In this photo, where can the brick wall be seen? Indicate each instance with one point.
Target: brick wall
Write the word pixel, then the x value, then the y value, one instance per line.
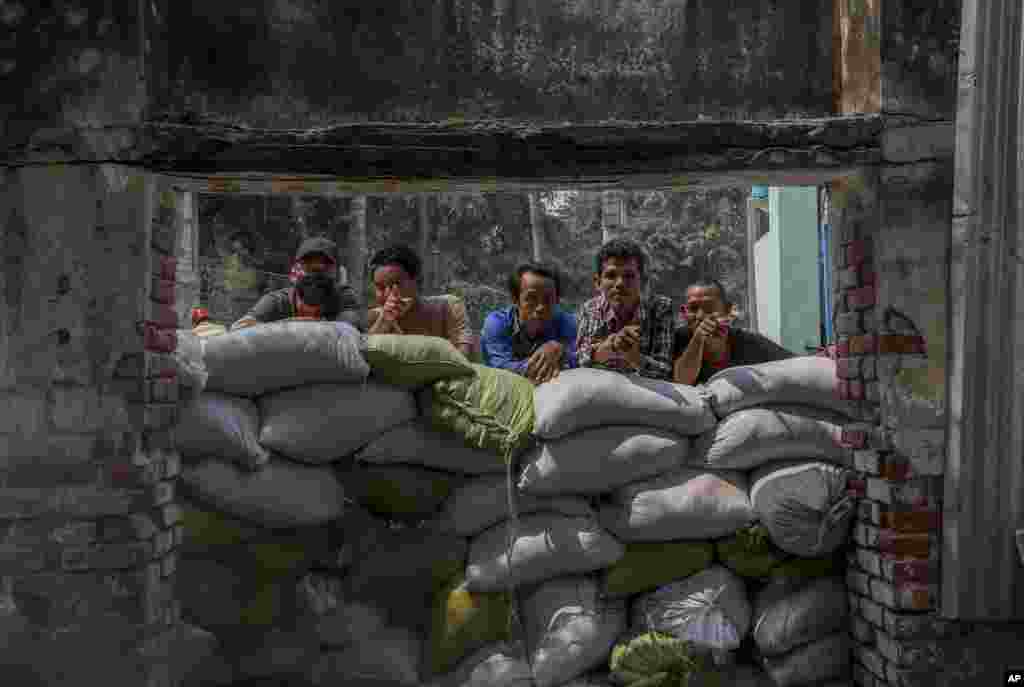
pixel 87 520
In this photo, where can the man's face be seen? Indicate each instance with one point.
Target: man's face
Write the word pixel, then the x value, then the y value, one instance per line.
pixel 391 280
pixel 316 262
pixel 702 302
pixel 620 281
pixel 537 300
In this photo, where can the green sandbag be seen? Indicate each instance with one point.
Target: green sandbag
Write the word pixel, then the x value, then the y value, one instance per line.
pixel 649 565
pixel 492 409
pixel 750 552
pixel 464 621
pixel 413 361
pixel 808 568
pixel 405 493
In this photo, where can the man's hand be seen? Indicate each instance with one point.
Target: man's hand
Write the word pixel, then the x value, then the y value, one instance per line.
pixel 545 363
pixel 707 329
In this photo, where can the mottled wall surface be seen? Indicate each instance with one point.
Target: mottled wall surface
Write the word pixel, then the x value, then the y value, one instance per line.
pixel 297 63
pixel 919 57
pixel 69 63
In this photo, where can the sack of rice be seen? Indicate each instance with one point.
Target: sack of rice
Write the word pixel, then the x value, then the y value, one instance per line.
pixel 491 409
pixel 405 493
pixel 483 502
pixel 787 616
pixel 709 609
pixel 502 664
pixel 569 628
pixel 321 423
pixel 805 506
pixel 412 362
pixel 587 397
pixel 282 494
pixel 417 443
pixel 464 621
pixel 279 355
pixel 750 552
pixel 600 459
pixel 545 546
pixel 812 664
pixel 190 369
pixel 387 657
pixel 221 426
pixel 688 503
pixel 751 437
pixel 649 565
pixel 804 381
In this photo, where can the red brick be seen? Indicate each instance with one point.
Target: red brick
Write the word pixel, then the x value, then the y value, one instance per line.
pixel 917 626
pixel 911 520
pixel 856 487
pixel 861 298
pixel 163 315
pixel 900 343
pixel 917 544
pixel 856 390
pixel 857 252
pixel 847 368
pixel 895 468
pixel 843 389
pixel 166 267
pixel 909 596
pixel 844 346
pixel 162 291
pixel 160 340
pixel 905 571
pixel 867 274
pixel 854 438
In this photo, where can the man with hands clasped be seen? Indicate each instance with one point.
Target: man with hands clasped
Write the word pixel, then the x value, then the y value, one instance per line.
pixel 534 337
pixel 706 342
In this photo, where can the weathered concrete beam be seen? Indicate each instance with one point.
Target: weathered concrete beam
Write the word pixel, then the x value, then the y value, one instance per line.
pixel 479 150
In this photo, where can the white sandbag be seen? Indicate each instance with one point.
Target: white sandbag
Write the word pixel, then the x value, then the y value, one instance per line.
pixel 483 502
pixel 812 664
pixel 282 494
pixel 804 506
pixel 546 546
pixel 189 367
pixel 496 665
pixel 221 426
pixel 688 503
pixel 417 443
pixel 787 616
pixel 751 437
pixel 601 459
pixel 569 628
pixel 278 355
pixel 588 397
pixel 320 423
pixel 709 609
pixel 386 657
pixel 805 381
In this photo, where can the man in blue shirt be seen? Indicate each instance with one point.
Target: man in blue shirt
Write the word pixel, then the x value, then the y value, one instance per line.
pixel 533 337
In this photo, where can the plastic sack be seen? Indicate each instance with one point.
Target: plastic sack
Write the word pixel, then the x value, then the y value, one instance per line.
pixel 222 426
pixel 278 355
pixel 787 616
pixel 687 503
pixel 587 397
pixel 191 371
pixel 600 459
pixel 569 628
pixel 749 438
pixel 709 609
pixel 501 664
pixel 416 442
pixel 805 381
pixel 546 546
pixel 812 664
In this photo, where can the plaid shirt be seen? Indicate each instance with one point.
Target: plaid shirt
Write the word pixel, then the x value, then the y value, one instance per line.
pixel 597 321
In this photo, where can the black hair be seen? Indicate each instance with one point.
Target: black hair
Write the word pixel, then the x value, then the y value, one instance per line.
pixel 398 254
pixel 624 249
pixel 708 283
pixel 515 280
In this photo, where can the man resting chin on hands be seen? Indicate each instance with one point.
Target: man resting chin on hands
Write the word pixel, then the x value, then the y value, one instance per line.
pixel 533 337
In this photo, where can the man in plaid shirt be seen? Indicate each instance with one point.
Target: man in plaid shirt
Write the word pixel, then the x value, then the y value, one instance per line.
pixel 619 329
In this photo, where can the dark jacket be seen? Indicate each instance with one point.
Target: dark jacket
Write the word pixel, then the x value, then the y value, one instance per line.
pixel 745 348
pixel 277 305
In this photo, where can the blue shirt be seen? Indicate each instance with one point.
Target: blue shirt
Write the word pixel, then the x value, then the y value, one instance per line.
pixel 506 345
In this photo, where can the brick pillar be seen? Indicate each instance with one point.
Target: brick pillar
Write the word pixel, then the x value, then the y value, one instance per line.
pixel 86 464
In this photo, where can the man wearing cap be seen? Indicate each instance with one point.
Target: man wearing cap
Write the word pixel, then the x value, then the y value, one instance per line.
pixel 315 292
